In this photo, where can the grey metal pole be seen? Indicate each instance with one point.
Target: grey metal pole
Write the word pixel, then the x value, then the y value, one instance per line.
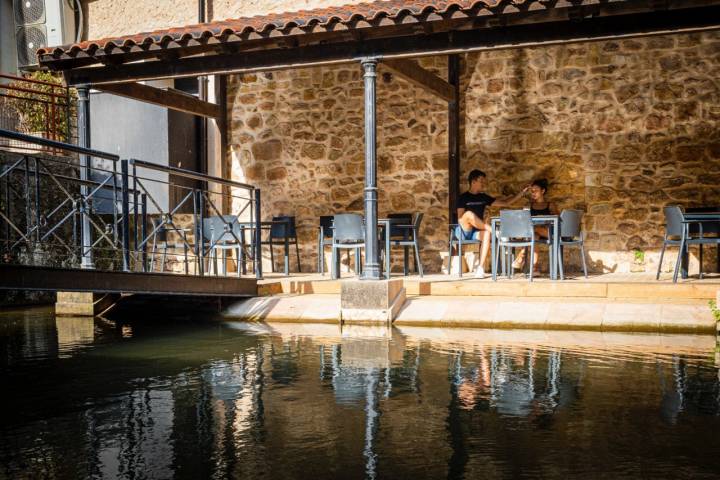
pixel 83 121
pixel 371 269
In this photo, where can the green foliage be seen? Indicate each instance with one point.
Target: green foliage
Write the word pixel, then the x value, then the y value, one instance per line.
pixel 35 108
pixel 639 256
pixel 715 310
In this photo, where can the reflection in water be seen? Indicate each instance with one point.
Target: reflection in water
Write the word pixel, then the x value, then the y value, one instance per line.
pixel 236 400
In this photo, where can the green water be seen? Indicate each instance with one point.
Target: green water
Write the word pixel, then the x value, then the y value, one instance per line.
pixel 154 398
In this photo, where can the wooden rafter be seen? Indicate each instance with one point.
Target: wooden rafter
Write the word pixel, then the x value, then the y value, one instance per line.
pixel 417 75
pixel 170 98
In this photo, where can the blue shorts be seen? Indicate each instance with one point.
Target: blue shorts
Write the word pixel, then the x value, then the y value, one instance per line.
pixel 473 234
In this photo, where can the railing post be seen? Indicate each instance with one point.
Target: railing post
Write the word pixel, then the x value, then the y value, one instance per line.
pixel 125 214
pixel 143 231
pixel 258 236
pixel 199 239
pixel 83 120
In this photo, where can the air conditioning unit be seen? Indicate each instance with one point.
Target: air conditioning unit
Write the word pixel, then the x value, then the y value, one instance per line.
pixel 41 23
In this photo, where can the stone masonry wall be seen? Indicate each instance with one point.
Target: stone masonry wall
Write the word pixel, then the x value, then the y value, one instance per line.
pixel 620 129
pixel 299 136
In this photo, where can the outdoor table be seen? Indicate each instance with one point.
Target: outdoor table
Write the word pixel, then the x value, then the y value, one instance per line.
pixel 709 217
pixel 553 220
pixel 267 225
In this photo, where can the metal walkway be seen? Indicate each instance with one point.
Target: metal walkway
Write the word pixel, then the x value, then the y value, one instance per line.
pixel 92 222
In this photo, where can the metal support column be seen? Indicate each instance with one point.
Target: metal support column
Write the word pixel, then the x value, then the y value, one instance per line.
pixel 371 268
pixel 258 236
pixel 453 137
pixel 83 126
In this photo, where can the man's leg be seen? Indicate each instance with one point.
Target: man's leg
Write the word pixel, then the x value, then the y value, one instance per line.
pixel 470 221
pixel 485 245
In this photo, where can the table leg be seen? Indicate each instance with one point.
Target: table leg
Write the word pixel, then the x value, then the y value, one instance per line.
pixel 556 248
pixel 684 263
pixel 387 251
pixel 493 263
pixel 287 256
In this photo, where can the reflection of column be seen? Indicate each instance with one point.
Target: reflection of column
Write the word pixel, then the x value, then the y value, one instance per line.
pixel 322 362
pixel 552 377
pixel 371 422
pixel 460 457
pixel 415 371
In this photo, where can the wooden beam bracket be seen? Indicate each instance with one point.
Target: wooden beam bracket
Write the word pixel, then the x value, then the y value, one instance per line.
pixel 417 75
pixel 170 98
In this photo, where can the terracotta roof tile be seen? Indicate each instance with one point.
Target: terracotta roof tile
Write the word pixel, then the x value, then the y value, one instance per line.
pixel 308 21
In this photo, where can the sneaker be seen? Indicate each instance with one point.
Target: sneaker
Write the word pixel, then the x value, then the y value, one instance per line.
pixel 480 272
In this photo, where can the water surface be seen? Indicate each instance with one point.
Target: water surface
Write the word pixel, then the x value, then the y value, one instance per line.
pixel 154 398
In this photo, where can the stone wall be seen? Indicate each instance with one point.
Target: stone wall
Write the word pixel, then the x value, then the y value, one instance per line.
pixel 108 18
pixel 299 136
pixel 619 128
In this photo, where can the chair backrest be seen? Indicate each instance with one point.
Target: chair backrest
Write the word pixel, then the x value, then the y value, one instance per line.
pixel 160 230
pixel 282 231
pixel 400 219
pixel 516 224
pixel 326 222
pixel 418 221
pixel 213 229
pixel 348 228
pixel 673 221
pixel 570 223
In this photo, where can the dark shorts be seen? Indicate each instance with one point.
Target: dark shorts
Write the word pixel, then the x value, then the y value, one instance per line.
pixel 472 234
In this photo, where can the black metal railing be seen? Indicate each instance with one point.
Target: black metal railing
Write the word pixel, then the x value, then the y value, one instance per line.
pixel 99 211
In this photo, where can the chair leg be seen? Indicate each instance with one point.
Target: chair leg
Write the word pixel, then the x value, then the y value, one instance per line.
pixel 701 261
pixel 460 258
pixel 334 268
pixel 561 260
pixel 418 262
pixel 185 255
pixel 662 254
pixel 164 257
pixel 450 243
pixel 406 260
pixel 357 262
pixel 679 259
pixel 237 266
pixel 297 255
pixel 152 255
pixel 532 255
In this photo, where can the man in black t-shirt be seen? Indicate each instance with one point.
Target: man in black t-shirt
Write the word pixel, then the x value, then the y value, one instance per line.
pixel 471 214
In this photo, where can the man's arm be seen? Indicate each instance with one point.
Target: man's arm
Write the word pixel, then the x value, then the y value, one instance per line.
pixel 510 201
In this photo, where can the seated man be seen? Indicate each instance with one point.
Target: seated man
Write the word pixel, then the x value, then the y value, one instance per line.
pixel 471 214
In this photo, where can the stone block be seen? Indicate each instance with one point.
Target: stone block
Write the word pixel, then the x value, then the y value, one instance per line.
pixel 371 301
pixel 83 304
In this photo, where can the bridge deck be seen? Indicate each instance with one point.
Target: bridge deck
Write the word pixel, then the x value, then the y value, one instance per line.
pixel 16 277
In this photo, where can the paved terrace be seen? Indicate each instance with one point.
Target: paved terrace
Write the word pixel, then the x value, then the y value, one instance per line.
pixel 609 302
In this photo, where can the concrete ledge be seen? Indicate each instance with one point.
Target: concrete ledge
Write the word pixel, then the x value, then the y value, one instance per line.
pixel 484 312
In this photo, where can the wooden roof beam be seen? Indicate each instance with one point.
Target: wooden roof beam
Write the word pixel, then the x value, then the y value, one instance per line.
pixel 417 75
pixel 170 98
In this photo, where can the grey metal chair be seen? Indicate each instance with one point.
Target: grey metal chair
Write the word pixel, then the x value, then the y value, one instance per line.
pixel 455 241
pixel 678 233
pixel 516 230
pixel 404 232
pixel 348 234
pixel 161 242
pixel 282 232
pixel 223 234
pixel 324 239
pixel 571 234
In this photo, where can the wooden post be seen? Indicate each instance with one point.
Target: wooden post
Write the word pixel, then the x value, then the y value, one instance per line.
pixel 453 136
